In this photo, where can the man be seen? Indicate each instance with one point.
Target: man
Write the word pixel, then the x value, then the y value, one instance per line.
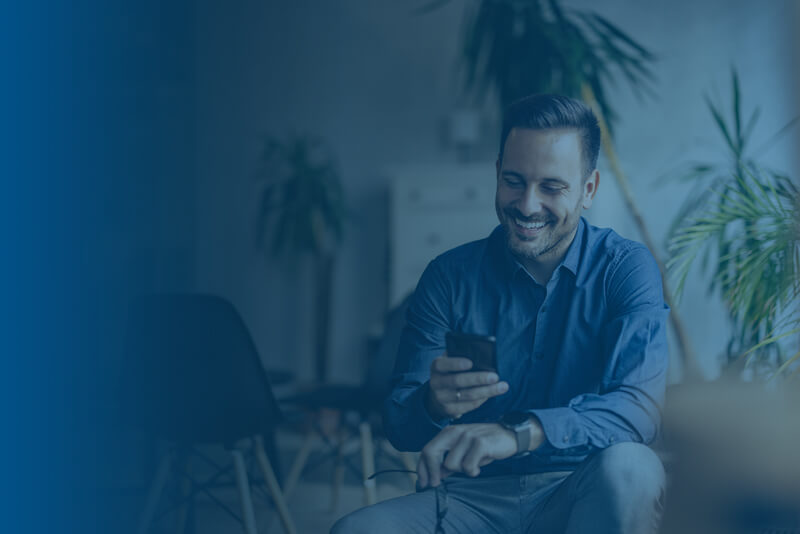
pixel 554 441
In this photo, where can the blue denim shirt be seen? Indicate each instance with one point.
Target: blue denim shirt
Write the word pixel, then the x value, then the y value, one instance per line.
pixel 586 354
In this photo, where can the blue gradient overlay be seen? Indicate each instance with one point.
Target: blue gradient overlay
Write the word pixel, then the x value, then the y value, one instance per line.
pixel 85 138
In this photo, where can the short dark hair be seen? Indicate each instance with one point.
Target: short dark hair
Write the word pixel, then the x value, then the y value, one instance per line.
pixel 548 112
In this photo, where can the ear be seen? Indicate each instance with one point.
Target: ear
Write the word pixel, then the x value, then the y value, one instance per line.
pixel 590 189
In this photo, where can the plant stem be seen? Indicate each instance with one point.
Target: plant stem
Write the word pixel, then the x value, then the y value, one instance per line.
pixel 691 370
pixel 323 280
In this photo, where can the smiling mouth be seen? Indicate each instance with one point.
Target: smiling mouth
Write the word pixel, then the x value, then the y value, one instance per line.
pixel 528 230
pixel 531 226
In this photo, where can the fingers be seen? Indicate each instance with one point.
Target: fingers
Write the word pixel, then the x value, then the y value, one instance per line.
pixel 423 478
pixel 468 455
pixel 454 391
pixel 454 458
pixel 463 380
pixel 445 364
pixel 422 474
pixel 433 463
pixel 474 458
pixel 480 393
pixel 456 402
pixel 433 454
pixel 464 449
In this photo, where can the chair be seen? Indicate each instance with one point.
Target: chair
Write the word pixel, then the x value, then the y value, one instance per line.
pixel 193 377
pixel 365 402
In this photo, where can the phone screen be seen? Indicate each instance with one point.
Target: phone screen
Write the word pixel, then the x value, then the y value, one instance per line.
pixel 479 349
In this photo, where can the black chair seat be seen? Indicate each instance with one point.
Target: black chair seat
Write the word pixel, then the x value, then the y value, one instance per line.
pixel 337 397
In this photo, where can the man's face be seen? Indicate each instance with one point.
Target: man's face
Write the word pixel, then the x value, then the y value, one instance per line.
pixel 540 192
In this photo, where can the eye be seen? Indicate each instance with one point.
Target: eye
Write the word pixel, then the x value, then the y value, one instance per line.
pixel 552 188
pixel 513 182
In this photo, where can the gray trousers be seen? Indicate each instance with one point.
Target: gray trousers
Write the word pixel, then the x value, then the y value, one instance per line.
pixel 616 490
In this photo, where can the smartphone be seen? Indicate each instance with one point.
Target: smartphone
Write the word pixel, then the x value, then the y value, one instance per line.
pixel 479 349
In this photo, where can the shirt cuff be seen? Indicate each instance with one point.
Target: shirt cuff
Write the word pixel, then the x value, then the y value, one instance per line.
pixel 561 430
pixel 418 403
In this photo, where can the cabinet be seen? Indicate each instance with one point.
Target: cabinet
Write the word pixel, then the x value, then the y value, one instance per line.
pixel 433 209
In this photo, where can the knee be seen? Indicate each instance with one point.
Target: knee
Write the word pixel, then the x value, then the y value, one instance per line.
pixel 353 523
pixel 632 470
pixel 364 521
pixel 349 524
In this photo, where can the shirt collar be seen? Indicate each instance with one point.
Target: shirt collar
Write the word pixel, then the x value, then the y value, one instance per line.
pixel 511 265
pixel 572 258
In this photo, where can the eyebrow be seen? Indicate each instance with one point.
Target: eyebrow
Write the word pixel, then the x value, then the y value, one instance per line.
pixel 558 181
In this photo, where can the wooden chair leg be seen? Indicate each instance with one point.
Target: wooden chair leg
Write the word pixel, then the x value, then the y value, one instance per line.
pixel 299 464
pixel 154 494
pixel 338 471
pixel 243 485
pixel 274 487
pixel 367 463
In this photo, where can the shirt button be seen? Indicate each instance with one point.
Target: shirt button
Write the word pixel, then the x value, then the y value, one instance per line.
pixel 611 439
pixel 566 439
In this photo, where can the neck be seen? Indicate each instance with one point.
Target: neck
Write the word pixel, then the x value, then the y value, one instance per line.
pixel 542 267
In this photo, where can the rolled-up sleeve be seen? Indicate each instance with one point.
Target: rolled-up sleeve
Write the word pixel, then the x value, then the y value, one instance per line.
pixel 634 347
pixel 407 423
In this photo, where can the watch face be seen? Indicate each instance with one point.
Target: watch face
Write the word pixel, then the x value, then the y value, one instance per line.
pixel 515 418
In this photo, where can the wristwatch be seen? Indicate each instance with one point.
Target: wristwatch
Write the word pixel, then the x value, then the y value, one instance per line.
pixel 520 424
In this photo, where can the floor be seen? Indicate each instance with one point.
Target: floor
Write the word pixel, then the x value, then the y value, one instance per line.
pixel 311 504
pixel 310 508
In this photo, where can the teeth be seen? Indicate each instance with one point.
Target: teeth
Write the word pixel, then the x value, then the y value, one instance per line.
pixel 530 226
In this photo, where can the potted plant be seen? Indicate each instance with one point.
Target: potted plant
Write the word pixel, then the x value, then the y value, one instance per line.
pixel 745 217
pixel 302 214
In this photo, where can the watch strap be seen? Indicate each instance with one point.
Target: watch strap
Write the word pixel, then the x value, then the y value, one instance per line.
pixel 522 432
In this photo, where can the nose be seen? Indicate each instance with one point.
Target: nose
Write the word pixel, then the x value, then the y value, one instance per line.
pixel 530 203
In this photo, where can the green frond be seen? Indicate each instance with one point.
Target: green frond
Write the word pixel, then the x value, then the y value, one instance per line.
pixel 788 363
pixel 752 220
pixel 737 115
pixel 520 48
pixel 302 207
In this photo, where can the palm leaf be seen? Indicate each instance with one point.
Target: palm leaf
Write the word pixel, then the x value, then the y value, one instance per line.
pixel 720 121
pixel 748 129
pixel 776 136
pixel 519 48
pixel 737 116
pixel 643 52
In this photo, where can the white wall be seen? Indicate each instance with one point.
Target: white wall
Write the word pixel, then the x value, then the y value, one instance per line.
pixel 376 81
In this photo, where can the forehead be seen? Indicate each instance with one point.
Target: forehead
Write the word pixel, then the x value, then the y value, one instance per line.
pixel 542 149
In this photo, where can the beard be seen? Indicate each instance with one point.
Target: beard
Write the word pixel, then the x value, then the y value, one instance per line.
pixel 550 239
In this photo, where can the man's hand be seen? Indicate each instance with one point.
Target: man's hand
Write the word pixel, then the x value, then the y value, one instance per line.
pixel 453 390
pixel 464 449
